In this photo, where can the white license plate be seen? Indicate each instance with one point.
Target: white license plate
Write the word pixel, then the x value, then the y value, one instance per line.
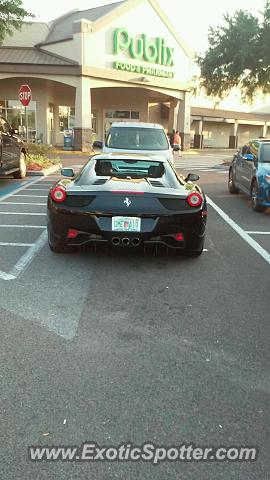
pixel 126 224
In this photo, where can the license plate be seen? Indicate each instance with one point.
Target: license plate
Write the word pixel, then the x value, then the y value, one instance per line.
pixel 126 224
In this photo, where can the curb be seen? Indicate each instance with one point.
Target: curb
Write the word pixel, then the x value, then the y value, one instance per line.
pixel 45 172
pixel 74 152
pixel 221 166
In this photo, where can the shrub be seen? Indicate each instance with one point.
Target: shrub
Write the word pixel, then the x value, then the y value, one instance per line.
pixel 39 149
pixel 38 162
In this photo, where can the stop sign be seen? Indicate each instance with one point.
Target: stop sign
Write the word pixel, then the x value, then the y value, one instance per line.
pixel 25 95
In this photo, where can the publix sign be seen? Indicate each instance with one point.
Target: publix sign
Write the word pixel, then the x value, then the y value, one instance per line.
pixel 154 51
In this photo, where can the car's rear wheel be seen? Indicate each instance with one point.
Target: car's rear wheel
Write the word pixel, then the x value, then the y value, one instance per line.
pixel 21 173
pixel 231 185
pixel 193 253
pixel 254 197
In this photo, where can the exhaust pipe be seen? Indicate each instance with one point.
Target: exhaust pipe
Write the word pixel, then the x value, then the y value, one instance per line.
pixel 125 241
pixel 135 242
pixel 116 241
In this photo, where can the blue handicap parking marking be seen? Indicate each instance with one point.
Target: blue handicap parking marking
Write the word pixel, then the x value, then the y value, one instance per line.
pixel 8 185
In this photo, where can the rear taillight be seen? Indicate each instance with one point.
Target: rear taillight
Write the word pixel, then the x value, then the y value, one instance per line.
pixel 58 194
pixel 194 199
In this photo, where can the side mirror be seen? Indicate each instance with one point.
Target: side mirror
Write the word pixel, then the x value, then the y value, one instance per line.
pixel 98 144
pixel 192 177
pixel 249 156
pixel 67 172
pixel 176 148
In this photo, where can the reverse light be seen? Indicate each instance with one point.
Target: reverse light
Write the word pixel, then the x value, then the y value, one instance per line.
pixel 194 199
pixel 58 194
pixel 179 237
pixel 267 178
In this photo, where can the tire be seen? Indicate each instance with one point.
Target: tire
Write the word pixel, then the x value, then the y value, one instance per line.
pixel 22 167
pixel 190 252
pixel 254 198
pixel 193 254
pixel 231 185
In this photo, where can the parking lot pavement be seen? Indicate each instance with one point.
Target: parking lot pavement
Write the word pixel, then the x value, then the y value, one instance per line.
pixel 115 348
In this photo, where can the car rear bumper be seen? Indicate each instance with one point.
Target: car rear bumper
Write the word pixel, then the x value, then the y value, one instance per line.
pixel 92 229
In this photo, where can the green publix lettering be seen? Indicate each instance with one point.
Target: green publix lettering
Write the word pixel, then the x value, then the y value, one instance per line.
pixel 152 51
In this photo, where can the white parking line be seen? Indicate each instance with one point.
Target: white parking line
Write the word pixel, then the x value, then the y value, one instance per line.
pixel 31 196
pixel 251 242
pixel 23 226
pixel 26 259
pixel 7 244
pixel 21 213
pixel 24 203
pixel 37 189
pixel 257 233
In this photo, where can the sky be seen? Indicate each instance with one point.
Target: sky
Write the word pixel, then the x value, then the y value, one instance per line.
pixel 190 19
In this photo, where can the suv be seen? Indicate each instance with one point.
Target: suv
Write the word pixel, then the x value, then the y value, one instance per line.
pixel 12 151
pixel 250 173
pixel 138 137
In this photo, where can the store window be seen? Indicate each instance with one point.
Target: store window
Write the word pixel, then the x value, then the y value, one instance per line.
pixel 19 117
pixel 67 118
pixel 122 114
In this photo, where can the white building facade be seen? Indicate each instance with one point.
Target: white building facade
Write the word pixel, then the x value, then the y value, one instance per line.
pixel 122 61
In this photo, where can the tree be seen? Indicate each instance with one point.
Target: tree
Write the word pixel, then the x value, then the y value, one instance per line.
pixel 12 15
pixel 238 56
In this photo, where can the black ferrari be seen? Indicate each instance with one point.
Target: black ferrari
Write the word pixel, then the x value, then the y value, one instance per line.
pixel 127 201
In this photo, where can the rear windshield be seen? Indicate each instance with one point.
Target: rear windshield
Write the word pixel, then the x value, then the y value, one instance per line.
pixel 131 138
pixel 265 152
pixel 129 168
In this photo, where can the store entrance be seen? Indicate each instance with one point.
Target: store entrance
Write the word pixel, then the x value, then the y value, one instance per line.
pixel 111 116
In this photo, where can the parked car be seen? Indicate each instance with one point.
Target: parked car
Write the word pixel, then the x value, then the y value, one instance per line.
pixel 127 201
pixel 139 137
pixel 12 151
pixel 250 173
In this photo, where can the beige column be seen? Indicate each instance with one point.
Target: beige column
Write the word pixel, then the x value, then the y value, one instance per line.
pixel 83 126
pixel 173 115
pixel 198 137
pixel 42 113
pixel 233 139
pixel 265 128
pixel 58 138
pixel 183 121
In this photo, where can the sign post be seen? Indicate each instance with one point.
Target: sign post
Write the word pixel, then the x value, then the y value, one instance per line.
pixel 25 97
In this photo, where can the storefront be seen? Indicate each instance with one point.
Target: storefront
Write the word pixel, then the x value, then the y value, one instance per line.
pixel 225 128
pixel 89 68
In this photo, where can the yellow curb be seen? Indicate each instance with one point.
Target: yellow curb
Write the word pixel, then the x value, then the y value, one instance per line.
pixel 190 152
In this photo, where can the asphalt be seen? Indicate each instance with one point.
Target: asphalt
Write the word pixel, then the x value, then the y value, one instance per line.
pixel 118 348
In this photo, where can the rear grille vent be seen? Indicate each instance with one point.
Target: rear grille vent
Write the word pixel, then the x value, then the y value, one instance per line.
pixel 79 200
pixel 175 203
pixel 156 183
pixel 100 181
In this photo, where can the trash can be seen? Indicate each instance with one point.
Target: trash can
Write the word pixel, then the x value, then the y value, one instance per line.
pixel 68 139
